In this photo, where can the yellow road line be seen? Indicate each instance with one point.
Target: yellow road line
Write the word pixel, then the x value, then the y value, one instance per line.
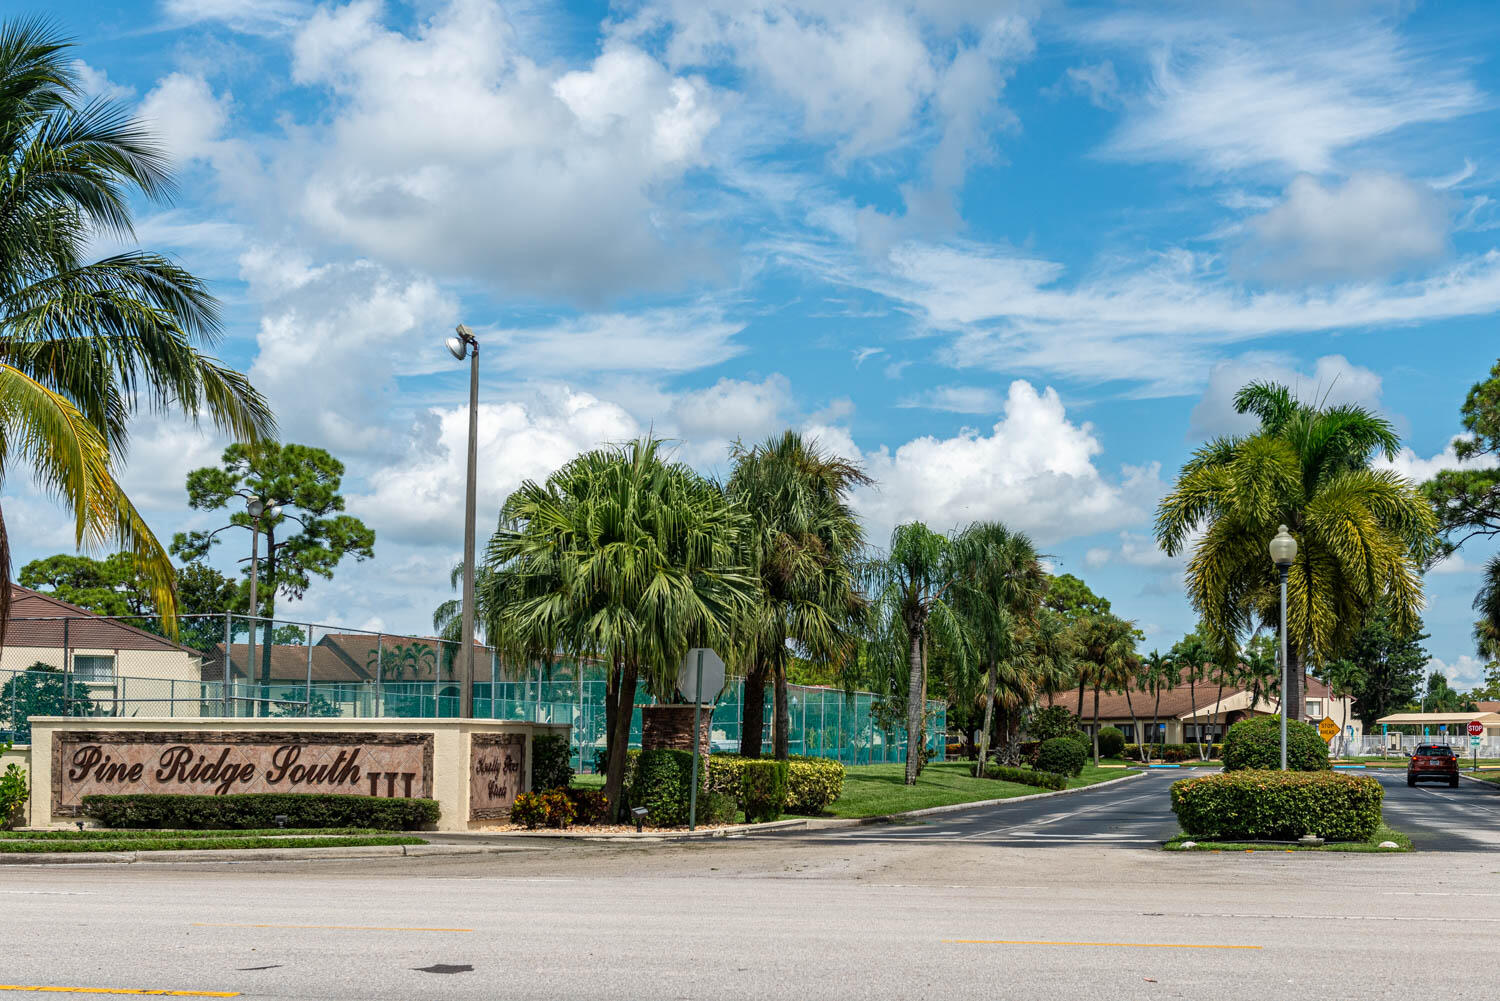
pixel 121 990
pixel 1119 945
pixel 216 924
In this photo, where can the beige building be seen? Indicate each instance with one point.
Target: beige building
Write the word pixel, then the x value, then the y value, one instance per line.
pixel 121 670
pixel 1203 713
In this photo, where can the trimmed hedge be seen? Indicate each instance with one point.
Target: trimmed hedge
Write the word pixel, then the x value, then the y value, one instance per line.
pixel 254 810
pixel 1111 742
pixel 1173 753
pixel 1062 755
pixel 1025 776
pixel 551 763
pixel 763 788
pixel 1256 744
pixel 661 781
pixel 1279 806
pixel 812 783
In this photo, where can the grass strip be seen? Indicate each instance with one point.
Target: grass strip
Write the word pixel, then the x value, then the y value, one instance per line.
pixel 1382 833
pixel 879 790
pixel 159 833
pixel 206 844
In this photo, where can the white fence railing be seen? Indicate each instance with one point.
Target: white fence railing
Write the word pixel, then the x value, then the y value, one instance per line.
pixel 1404 743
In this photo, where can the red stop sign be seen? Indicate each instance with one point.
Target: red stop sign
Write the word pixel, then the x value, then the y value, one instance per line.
pixel 1476 728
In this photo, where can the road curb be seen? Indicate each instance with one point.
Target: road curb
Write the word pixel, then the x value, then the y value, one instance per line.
pixel 828 825
pixel 250 855
pixel 644 837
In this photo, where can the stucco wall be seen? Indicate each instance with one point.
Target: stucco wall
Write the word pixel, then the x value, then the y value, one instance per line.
pixel 450 758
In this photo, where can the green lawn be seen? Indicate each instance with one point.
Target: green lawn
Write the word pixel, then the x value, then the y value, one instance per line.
pixel 1383 833
pixel 878 790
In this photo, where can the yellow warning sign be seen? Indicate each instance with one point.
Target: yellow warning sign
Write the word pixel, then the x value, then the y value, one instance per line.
pixel 1328 729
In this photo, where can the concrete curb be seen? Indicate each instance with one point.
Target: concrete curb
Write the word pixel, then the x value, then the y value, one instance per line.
pixel 834 824
pixel 736 830
pixel 1475 778
pixel 251 854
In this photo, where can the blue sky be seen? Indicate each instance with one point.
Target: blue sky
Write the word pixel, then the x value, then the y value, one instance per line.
pixel 1014 257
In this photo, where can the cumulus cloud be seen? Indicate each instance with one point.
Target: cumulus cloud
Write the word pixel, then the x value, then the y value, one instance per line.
pixel 1034 470
pixel 733 408
pixel 1334 381
pixel 419 499
pixel 1463 672
pixel 1417 469
pixel 448 147
pixel 1370 227
pixel 1096 81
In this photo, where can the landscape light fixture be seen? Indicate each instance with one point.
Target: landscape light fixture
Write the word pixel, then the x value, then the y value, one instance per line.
pixel 280 820
pixel 79 823
pixel 460 346
pixel 639 813
pixel 1284 554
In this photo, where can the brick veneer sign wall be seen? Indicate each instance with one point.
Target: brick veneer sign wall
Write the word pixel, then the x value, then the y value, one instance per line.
pixel 201 762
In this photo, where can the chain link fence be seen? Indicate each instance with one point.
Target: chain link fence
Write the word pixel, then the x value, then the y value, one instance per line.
pixel 231 665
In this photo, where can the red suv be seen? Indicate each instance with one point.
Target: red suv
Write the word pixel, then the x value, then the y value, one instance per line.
pixel 1432 761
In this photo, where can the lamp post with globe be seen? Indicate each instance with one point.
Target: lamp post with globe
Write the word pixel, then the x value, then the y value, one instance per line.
pixel 1284 554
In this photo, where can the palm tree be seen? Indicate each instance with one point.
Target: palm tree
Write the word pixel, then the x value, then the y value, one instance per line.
pixel 1362 533
pixel 83 343
pixel 1152 676
pixel 622 555
pixel 1043 657
pixel 804 542
pixel 1106 657
pixel 910 587
pixel 1001 584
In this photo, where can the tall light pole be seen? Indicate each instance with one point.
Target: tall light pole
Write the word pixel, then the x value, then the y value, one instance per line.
pixel 1284 554
pixel 466 344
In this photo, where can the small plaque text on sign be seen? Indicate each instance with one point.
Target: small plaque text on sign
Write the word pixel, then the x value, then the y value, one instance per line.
pixel 497 771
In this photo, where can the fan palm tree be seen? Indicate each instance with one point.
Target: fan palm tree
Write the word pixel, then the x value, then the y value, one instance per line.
pixel 1001 584
pixel 1363 534
pixel 622 555
pixel 911 586
pixel 804 543
pixel 1043 653
pixel 84 343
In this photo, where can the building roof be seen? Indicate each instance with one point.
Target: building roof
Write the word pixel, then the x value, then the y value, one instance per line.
pixel 1488 719
pixel 41 620
pixel 1183 702
pixel 289 663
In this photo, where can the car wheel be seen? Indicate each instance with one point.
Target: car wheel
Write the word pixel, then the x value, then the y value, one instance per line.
pixel 1410 781
pixel 1453 782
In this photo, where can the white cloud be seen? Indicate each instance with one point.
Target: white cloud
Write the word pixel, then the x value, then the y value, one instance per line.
pixel 734 408
pixel 667 339
pixel 419 498
pixel 958 400
pixel 332 340
pixel 1334 381
pixel 191 122
pixel 1463 673
pixel 449 148
pixel 1034 470
pixel 1417 469
pixel 95 82
pixel 1096 81
pixel 1159 324
pixel 1372 226
pixel 250 16
pixel 1292 103
pixel 1137 550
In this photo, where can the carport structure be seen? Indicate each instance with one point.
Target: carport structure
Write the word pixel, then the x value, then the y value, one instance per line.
pixel 1438 728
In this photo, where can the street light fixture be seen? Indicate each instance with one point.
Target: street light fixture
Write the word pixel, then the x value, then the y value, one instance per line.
pixel 1284 554
pixel 463 344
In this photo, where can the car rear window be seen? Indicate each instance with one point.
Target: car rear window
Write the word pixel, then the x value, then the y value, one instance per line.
pixel 1435 751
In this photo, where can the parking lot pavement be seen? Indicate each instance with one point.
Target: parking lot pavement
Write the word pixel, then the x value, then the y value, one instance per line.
pixel 1465 819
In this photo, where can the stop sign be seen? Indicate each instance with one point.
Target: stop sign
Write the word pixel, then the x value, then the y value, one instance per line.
pixel 1476 728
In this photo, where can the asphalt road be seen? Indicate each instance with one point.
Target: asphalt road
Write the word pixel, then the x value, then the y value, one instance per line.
pixel 1137 813
pixel 915 912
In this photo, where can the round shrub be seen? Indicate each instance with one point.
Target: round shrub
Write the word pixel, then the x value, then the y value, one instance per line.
pixel 560 809
pixel 1111 742
pixel 1053 721
pixel 1062 756
pixel 1256 743
pixel 551 766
